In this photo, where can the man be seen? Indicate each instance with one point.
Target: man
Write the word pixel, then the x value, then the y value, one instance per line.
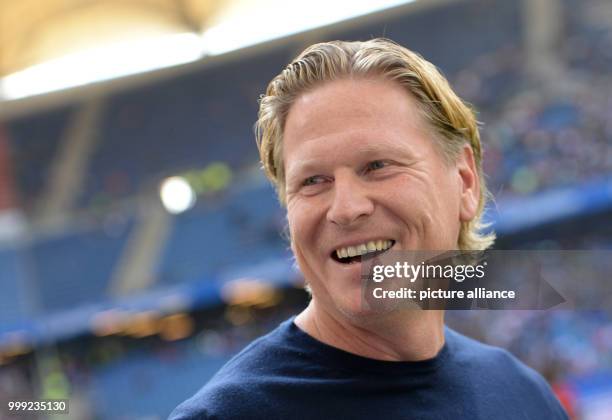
pixel 370 150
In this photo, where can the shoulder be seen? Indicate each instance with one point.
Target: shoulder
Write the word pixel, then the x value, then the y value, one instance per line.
pixel 489 359
pixel 219 400
pixel 469 351
pixel 236 390
pixel 497 374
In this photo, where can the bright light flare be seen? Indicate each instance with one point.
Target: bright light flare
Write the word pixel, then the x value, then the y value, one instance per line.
pixel 177 195
pixel 279 18
pixel 103 63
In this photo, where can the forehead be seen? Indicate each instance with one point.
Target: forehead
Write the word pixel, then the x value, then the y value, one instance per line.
pixel 357 114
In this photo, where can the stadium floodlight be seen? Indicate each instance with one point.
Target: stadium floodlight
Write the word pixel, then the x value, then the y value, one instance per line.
pixel 177 195
pixel 272 19
pixel 103 63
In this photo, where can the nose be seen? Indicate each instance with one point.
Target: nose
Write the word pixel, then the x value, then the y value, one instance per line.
pixel 351 200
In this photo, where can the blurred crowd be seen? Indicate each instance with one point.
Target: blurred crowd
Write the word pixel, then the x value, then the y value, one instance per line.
pixel 539 135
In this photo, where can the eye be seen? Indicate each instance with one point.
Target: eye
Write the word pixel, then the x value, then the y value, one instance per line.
pixel 375 165
pixel 312 180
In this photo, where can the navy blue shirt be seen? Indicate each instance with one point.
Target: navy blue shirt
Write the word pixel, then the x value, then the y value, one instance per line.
pixel 288 374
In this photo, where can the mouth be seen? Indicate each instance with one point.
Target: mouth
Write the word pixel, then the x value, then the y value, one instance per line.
pixel 352 254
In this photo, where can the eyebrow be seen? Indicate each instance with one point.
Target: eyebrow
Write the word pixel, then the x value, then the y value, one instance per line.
pixel 389 145
pixel 372 150
pixel 301 168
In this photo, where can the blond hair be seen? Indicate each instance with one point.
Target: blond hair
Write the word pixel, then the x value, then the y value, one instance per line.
pixel 453 121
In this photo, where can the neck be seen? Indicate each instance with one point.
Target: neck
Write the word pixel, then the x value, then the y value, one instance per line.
pixel 402 336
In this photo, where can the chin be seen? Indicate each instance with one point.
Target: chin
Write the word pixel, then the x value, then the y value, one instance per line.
pixel 354 308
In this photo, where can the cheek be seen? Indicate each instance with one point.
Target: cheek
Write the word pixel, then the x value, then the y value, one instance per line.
pixel 294 231
pixel 303 230
pixel 430 204
pixel 302 225
pixel 447 204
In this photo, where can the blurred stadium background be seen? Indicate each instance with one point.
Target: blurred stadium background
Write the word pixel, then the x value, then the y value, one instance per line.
pixel 141 246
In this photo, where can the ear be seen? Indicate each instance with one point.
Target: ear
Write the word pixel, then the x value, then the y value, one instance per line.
pixel 470 184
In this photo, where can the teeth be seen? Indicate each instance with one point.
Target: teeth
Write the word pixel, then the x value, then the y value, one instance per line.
pixel 361 249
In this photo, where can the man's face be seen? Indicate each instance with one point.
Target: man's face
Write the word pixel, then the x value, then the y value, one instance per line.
pixel 362 169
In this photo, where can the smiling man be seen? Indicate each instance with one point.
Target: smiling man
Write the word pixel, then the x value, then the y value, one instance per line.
pixel 370 150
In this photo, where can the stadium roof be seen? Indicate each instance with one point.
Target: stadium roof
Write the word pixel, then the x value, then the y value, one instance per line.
pixel 54 44
pixel 34 31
